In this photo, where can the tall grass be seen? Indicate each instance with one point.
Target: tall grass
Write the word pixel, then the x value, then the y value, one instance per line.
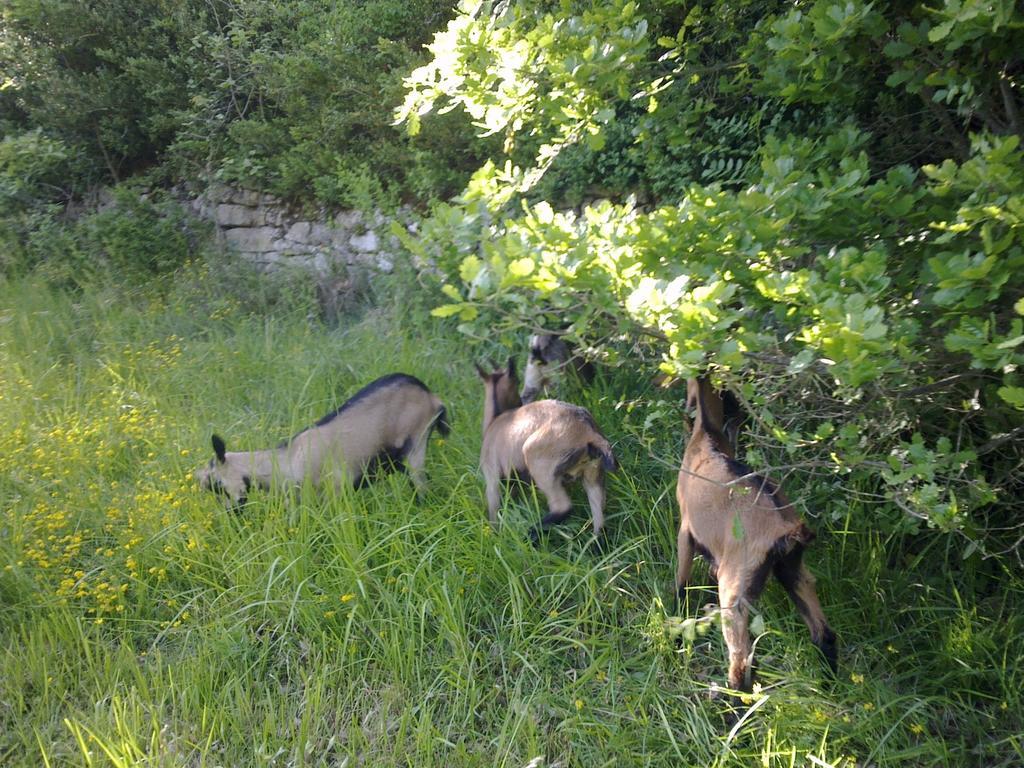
pixel 142 624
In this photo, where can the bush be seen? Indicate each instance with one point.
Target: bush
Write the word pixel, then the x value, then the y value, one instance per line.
pixel 858 281
pixel 293 98
pixel 132 237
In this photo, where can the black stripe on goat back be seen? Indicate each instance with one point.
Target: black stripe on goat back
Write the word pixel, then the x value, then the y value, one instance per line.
pixel 374 386
pixel 377 385
pixel 759 483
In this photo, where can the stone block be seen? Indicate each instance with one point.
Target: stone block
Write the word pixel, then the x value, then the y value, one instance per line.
pixel 230 215
pixel 320 234
pixel 299 232
pixel 348 220
pixel 366 243
pixel 291 247
pixel 252 239
pixel 274 215
pixel 314 262
pixel 246 197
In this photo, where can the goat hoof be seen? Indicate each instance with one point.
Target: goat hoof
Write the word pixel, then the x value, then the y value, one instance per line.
pixel 731 717
pixel 730 704
pixel 535 538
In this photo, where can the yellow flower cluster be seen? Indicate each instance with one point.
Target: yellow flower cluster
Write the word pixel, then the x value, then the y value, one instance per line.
pixel 93 497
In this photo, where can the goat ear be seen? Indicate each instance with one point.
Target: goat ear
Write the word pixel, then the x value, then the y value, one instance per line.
pixel 219 449
pixel 692 385
pixel 511 366
pixel 481 372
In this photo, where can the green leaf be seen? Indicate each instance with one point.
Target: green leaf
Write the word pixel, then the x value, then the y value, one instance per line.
pixel 469 269
pixel 897 49
pixel 1013 395
pixel 737 527
pixel 802 360
pixel 757 625
pixel 940 31
pixel 898 77
pixel 521 267
pixel 446 310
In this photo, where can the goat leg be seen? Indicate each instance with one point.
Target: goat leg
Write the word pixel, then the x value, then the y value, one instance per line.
pixel 684 549
pixel 735 619
pixel 800 586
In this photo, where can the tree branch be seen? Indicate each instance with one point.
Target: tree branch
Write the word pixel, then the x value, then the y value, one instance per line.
pixel 1010 103
pixel 996 442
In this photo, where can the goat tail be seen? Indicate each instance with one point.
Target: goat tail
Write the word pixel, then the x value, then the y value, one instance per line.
pixel 604 453
pixel 804 535
pixel 794 541
pixel 444 426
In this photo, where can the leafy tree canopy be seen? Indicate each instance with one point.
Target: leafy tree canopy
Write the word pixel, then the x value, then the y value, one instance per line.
pixel 820 203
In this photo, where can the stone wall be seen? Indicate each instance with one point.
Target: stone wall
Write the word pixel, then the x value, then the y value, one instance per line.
pixel 263 230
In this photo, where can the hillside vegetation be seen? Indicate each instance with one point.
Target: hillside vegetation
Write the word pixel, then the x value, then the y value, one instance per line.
pixel 820 205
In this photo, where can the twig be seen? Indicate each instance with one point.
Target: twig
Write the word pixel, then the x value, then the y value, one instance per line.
pixel 1009 103
pixel 995 442
pixel 940 384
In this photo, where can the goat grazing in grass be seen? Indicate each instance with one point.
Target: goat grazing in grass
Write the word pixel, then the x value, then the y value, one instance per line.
pixel 550 353
pixel 384 423
pixel 546 442
pixel 746 528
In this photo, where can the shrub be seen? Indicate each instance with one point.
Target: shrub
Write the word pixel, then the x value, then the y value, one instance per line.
pixel 859 282
pixel 132 237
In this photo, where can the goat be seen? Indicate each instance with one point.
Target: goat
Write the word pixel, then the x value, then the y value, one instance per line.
pixel 550 353
pixel 746 528
pixel 384 423
pixel 546 442
pixel 734 417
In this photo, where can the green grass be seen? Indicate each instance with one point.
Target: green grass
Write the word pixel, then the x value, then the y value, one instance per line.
pixel 142 624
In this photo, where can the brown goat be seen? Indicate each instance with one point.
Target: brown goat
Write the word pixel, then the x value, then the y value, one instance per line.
pixel 385 423
pixel 746 528
pixel 546 442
